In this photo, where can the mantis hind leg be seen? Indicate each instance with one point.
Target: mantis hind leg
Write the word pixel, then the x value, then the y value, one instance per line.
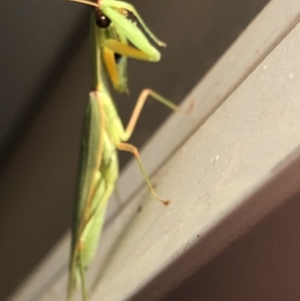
pixel 138 109
pixel 130 128
pixel 132 149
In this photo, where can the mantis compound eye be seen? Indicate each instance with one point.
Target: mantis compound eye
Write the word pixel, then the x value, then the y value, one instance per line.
pixel 102 21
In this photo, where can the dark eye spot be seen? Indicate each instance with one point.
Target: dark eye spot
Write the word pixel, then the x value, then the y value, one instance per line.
pixel 101 20
pixel 130 16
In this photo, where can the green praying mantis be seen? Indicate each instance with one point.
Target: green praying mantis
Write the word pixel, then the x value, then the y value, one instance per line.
pixel 114 37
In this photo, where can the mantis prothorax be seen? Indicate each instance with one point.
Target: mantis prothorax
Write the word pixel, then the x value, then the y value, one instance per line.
pixel 113 38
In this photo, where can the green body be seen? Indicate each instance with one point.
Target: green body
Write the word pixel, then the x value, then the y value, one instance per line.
pixel 103 132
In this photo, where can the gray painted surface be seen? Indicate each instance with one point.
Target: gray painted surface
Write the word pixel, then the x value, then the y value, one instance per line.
pixel 44 90
pixel 241 164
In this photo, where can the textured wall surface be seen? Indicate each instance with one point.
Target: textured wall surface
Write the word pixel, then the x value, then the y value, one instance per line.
pixel 44 85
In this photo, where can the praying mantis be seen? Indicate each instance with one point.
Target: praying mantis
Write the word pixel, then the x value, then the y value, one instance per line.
pixel 114 37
